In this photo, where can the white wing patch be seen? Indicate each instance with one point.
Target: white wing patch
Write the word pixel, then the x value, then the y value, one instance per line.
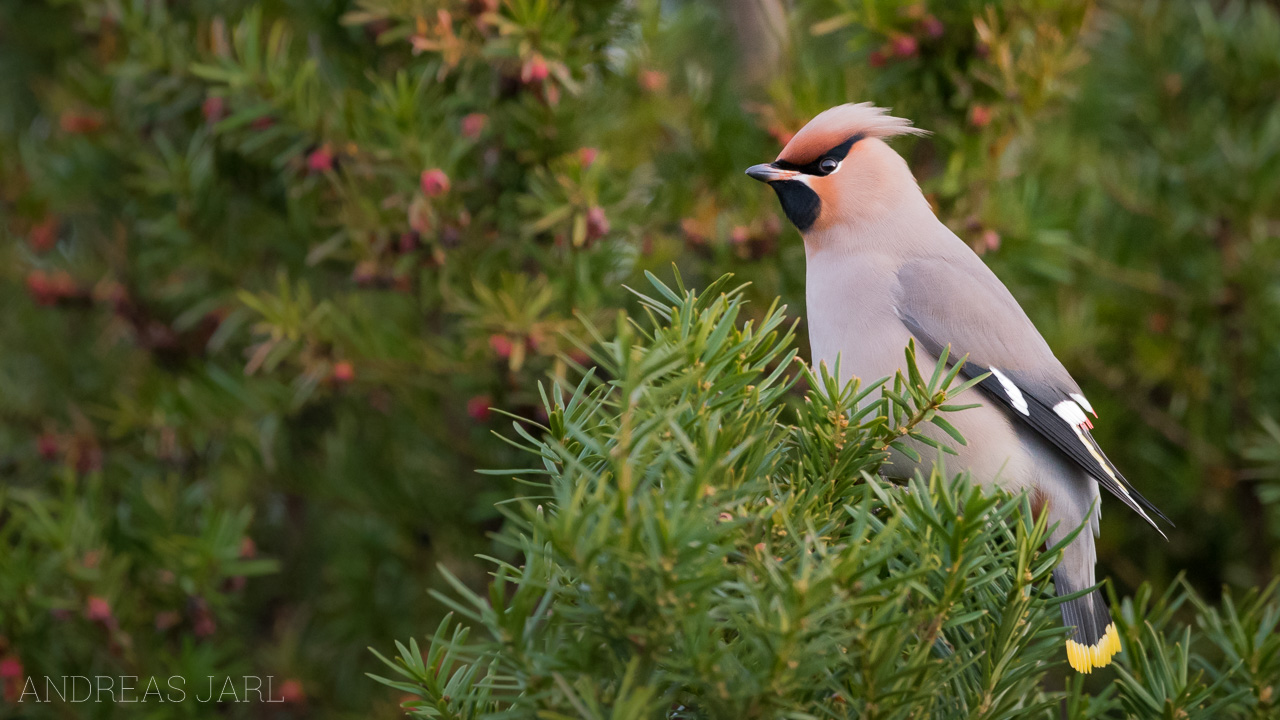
pixel 1015 395
pixel 1084 404
pixel 1068 410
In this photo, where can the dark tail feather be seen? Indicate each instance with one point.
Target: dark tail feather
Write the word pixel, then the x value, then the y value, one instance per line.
pixel 1095 639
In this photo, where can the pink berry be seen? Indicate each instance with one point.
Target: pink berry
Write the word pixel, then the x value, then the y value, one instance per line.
pixel 990 240
pixel 500 345
pixel 434 182
pixel 473 125
pixel 47 444
pixel 932 27
pixel 979 116
pixel 408 242
pixel 79 123
pixel 478 408
pixel 320 159
pixel 653 80
pixel 343 372
pixel 534 70
pixel 291 692
pixel 214 109
pixel 97 609
pixel 38 287
pixel 587 156
pixel 44 236
pixel 205 625
pixel 597 223
pixel 905 46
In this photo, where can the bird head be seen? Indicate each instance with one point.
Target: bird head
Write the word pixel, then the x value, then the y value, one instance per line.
pixel 838 169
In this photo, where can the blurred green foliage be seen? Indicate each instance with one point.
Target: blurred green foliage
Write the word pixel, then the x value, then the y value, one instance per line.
pixel 267 264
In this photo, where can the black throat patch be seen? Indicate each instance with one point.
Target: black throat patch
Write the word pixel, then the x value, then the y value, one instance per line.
pixel 799 202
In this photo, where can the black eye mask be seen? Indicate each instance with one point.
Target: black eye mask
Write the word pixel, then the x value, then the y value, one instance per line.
pixel 800 203
pixel 814 167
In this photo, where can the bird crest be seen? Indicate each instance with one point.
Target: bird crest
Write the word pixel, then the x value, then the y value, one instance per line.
pixel 837 125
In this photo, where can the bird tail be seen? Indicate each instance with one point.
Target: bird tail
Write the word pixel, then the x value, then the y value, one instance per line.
pixel 1095 639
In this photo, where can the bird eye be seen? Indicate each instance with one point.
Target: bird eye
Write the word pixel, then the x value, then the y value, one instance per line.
pixel 828 165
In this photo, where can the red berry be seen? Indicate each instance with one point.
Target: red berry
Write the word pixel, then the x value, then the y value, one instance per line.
pixel 320 159
pixel 473 125
pixel 990 240
pixel 97 609
pixel 343 372
pixel 79 124
pixel 501 345
pixel 905 46
pixel 408 242
pixel 979 116
pixel 653 80
pixel 205 625
pixel 478 407
pixel 597 223
pixel 10 667
pixel 932 27
pixel 214 109
pixel 49 288
pixel 878 58
pixel 47 445
pixel 262 123
pixel 38 287
pixel 291 692
pixel 587 156
pixel 44 236
pixel 534 70
pixel 434 182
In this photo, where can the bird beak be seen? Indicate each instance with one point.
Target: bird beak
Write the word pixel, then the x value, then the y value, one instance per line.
pixel 768 172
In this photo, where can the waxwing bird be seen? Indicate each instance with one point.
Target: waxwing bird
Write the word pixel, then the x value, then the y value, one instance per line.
pixel 883 270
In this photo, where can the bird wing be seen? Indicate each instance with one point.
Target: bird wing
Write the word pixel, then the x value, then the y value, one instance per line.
pixel 963 305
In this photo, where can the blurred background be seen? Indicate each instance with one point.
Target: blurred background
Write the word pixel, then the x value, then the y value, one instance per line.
pixel 267 265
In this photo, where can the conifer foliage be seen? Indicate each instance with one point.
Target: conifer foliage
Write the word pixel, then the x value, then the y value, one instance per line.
pixel 692 545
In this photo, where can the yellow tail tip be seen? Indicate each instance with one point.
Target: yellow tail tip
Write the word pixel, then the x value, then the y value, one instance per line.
pixel 1084 658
